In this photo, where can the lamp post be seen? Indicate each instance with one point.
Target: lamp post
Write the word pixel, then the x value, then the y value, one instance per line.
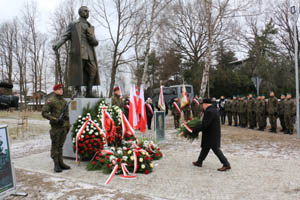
pixel 295 18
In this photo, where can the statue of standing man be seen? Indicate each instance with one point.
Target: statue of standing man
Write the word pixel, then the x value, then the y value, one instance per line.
pixel 83 67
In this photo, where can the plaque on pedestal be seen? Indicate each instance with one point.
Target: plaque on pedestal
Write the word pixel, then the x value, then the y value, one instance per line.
pixel 159 125
pixel 75 109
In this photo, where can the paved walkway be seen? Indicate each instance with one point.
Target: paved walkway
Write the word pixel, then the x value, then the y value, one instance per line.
pixel 174 177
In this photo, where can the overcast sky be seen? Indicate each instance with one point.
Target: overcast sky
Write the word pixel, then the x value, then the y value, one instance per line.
pixel 12 8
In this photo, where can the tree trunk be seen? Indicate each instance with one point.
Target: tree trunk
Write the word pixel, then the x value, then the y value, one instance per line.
pixel 205 76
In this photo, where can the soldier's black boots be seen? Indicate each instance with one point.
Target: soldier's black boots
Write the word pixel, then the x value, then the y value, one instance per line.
pixel 57 168
pixel 64 166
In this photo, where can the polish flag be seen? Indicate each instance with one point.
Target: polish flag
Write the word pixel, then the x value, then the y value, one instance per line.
pixel 132 108
pixel 142 111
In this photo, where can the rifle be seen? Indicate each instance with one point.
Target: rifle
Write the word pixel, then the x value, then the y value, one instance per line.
pixel 63 113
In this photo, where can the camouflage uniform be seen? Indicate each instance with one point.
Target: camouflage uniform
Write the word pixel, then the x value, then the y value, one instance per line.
pixel 186 111
pixel 243 107
pixel 261 114
pixel 234 108
pixel 272 111
pixel 59 130
pixel 289 113
pixel 281 113
pixel 176 115
pixel 251 112
pixel 240 108
pixel 196 108
pixel 228 111
pixel 116 100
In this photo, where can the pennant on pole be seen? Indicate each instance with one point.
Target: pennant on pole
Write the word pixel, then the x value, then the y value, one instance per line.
pixel 142 111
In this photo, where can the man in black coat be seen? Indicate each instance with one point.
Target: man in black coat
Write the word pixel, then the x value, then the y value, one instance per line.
pixel 211 135
pixel 149 111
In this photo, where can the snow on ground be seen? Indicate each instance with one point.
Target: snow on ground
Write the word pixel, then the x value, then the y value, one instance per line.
pixel 264 166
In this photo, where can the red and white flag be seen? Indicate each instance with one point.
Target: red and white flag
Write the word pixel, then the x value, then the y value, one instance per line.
pixel 161 101
pixel 133 120
pixel 142 111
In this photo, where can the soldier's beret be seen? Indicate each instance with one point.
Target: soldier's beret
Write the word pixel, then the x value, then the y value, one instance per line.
pixel 116 88
pixel 207 100
pixel 57 86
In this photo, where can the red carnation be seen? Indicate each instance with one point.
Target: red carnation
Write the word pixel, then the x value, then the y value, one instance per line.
pixel 158 149
pixel 146 171
pixel 87 136
pixel 161 155
pixel 100 154
pixel 97 158
pixel 146 158
pixel 119 160
pixel 93 136
pixel 128 148
pixel 81 152
pixel 108 165
pixel 90 145
pixel 137 154
pixel 156 154
pixel 151 158
pixel 81 139
pixel 91 149
pixel 95 149
pixel 87 141
pixel 86 148
pixel 98 140
pixel 106 156
pixel 95 144
pixel 102 160
pixel 91 140
pixel 94 163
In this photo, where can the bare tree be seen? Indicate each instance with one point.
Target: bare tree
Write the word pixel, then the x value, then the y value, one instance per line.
pixel 119 34
pixel 64 14
pixel 36 42
pixel 20 55
pixel 7 34
pixel 151 23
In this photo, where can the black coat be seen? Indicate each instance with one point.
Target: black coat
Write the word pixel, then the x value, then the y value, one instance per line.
pixel 148 112
pixel 211 128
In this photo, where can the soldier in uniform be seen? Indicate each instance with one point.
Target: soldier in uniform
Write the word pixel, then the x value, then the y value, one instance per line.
pixel 228 111
pixel 244 120
pixel 251 111
pixel 116 100
pixel 126 108
pixel 176 112
pixel 261 113
pixel 281 112
pixel 222 109
pixel 240 108
pixel 186 112
pixel 234 108
pixel 272 111
pixel 263 98
pixel 196 107
pixel 59 128
pixel 289 113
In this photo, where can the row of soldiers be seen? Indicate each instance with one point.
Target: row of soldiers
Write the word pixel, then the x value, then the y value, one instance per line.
pixel 252 112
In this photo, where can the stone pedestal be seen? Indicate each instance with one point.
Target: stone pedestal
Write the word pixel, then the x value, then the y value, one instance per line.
pixel 75 109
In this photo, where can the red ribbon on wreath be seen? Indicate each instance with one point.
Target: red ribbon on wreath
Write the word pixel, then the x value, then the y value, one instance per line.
pixel 82 128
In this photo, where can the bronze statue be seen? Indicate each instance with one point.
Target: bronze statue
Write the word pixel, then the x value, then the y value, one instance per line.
pixel 83 67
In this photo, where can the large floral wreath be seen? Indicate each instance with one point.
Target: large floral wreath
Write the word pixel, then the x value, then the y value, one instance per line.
pixel 103 135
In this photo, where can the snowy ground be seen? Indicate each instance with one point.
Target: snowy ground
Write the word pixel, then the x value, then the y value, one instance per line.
pixel 264 166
